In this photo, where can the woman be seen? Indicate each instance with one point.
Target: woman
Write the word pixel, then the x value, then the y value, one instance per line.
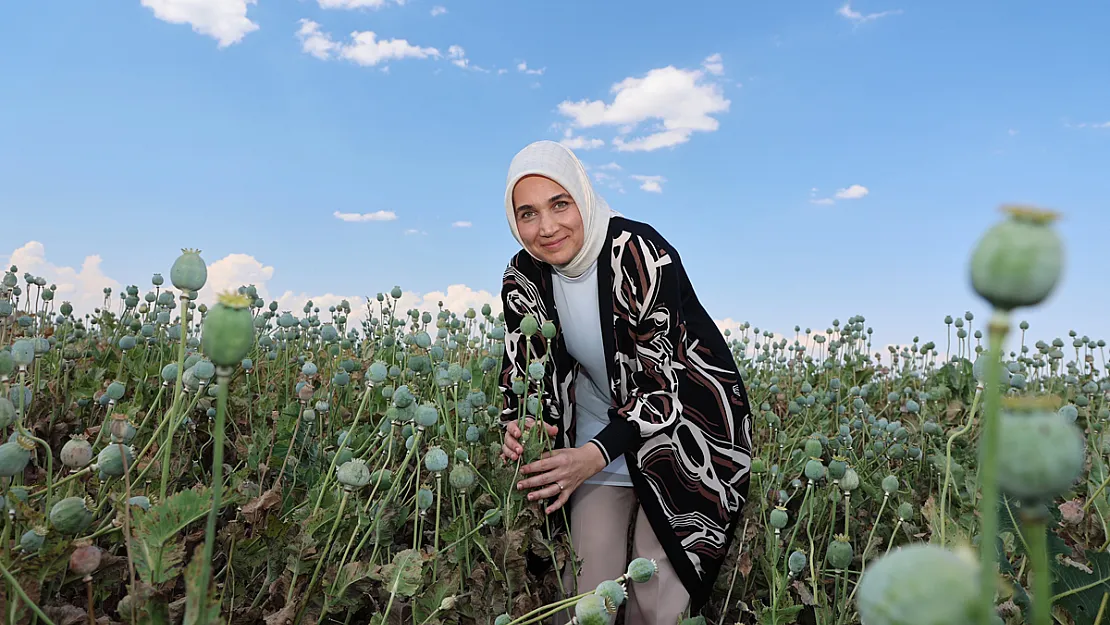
pixel 641 392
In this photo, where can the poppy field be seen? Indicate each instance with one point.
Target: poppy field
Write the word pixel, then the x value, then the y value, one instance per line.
pixel 169 462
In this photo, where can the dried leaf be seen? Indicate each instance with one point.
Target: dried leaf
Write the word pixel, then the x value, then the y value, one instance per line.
pixel 744 563
pixel 803 593
pixel 257 508
pixel 1071 512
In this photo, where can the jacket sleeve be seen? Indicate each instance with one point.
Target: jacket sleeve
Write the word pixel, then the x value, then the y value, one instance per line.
pixel 514 365
pixel 650 297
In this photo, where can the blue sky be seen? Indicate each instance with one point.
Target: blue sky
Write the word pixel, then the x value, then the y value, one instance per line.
pixel 131 129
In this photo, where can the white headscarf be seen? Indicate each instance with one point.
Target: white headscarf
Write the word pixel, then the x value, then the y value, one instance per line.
pixel 554 160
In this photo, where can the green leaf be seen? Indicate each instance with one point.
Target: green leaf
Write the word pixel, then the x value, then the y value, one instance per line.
pixel 403 575
pixel 201 608
pixel 1082 590
pixel 155 534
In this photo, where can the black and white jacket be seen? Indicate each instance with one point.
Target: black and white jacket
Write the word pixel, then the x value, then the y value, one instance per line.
pixel 680 413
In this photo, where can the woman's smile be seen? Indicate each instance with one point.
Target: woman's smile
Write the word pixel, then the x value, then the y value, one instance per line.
pixel 554 245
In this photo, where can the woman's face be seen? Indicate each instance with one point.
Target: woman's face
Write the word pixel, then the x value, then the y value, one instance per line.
pixel 548 220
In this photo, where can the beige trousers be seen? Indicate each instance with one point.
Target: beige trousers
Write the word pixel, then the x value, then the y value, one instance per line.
pixel 599 522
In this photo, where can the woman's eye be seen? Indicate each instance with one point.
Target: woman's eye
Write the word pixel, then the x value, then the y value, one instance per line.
pixel 561 204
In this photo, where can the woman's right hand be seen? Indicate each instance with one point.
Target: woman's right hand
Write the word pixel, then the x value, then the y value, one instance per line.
pixel 511 448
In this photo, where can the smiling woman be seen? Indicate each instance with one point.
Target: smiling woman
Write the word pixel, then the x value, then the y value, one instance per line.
pixel 640 391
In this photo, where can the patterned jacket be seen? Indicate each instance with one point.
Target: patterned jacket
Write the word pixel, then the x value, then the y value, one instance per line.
pixel 680 413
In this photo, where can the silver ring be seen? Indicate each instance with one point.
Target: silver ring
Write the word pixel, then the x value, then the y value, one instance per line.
pixel 560 485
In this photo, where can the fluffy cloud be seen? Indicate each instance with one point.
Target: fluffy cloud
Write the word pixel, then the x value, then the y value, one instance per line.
pixel 523 67
pixel 580 142
pixel 713 65
pixel 856 17
pixel 438 10
pixel 357 4
pixel 461 224
pixel 375 216
pixel 82 287
pixel 1102 125
pixel 681 101
pixel 224 20
pixel 457 56
pixel 651 184
pixel 412 231
pixel 853 192
pixel 364 49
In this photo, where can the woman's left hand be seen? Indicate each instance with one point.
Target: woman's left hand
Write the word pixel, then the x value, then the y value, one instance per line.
pixel 560 472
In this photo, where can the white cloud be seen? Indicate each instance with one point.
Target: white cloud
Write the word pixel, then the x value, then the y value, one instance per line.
pixel 224 20
pixel 856 17
pixel 713 65
pixel 233 271
pixel 364 49
pixel 523 67
pixel 375 216
pixel 613 166
pixel 83 287
pixel 411 231
pixel 853 192
pixel 438 10
pixel 461 224
pixel 580 142
pixel 651 184
pixel 1093 125
pixel 357 4
pixel 457 299
pixel 457 56
pixel 681 100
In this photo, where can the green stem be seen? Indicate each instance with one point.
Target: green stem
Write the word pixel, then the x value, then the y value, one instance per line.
pixel 988 466
pixel 223 376
pixel 1036 533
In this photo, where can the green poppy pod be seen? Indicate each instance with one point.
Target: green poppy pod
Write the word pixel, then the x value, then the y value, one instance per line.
pixel 641 570
pixel 890 484
pixel 204 370
pixel 797 562
pixel 7 412
pixel 70 515
pixel 395 292
pixel 353 474
pixel 115 390
pixel 814 470
pixel 140 501
pixel 435 460
pixel 461 477
pixel 23 352
pixel 424 499
pixel 924 584
pixel 427 415
pixel 1040 455
pixel 32 540
pixel 110 459
pixel 1018 262
pixel 472 434
pixel 839 553
pixel 591 610
pixel 7 363
pixel 14 455
pixel 528 325
pixel 189 272
pixel 227 333
pixel 779 518
pixel 378 372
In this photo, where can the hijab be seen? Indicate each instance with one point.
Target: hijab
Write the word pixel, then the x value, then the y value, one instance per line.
pixel 557 162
